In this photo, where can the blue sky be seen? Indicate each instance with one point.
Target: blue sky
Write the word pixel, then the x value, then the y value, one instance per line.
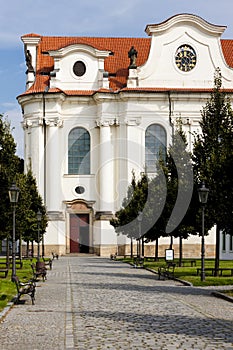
pixel 83 18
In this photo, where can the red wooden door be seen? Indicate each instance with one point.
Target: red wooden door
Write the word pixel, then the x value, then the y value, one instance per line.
pixel 79 233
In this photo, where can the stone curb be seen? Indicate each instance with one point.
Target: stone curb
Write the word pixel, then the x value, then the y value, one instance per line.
pixel 222 296
pixel 5 311
pixel 189 284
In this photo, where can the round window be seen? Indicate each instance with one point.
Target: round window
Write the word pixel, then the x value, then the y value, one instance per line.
pixel 79 68
pixel 79 189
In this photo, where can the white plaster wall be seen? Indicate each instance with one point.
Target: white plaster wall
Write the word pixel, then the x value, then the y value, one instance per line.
pixel 67 80
pixel 128 141
pixel 226 254
pixel 103 233
pixel 55 233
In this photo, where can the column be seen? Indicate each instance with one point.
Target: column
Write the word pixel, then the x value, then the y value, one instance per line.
pixel 106 167
pixel 53 166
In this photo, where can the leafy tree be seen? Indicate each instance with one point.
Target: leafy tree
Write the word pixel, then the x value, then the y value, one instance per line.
pixel 29 203
pixel 10 164
pixel 182 196
pixel 11 170
pixel 213 157
pixel 174 193
pixel 125 220
pixel 168 202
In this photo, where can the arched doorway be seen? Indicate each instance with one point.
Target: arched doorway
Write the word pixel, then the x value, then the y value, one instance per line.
pixel 79 233
pixel 79 226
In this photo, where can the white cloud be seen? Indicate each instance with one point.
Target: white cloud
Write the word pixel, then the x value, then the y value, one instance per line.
pixel 103 17
pixel 8 105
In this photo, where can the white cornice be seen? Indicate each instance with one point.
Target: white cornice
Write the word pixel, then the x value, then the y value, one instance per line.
pixel 31 40
pixel 185 19
pixel 79 47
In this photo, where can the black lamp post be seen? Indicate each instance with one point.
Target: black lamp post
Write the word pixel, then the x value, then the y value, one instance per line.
pixel 203 197
pixel 14 196
pixel 139 218
pixel 39 217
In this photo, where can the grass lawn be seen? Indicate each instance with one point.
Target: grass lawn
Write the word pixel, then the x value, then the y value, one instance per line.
pixel 8 288
pixel 229 293
pixel 190 273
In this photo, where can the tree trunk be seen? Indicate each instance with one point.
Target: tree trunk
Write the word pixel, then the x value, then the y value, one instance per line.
pixel 131 248
pixel 42 245
pixel 20 247
pixel 180 251
pixel 32 249
pixel 27 252
pixel 217 248
pixel 156 249
pixel 7 253
pixel 171 242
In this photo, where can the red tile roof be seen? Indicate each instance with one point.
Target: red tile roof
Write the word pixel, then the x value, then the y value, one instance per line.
pixel 116 64
pixel 227 48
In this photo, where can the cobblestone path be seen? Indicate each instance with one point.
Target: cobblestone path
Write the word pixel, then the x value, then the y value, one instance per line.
pixel 118 307
pixel 94 303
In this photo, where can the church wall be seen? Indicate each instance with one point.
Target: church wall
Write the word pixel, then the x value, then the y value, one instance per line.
pixel 117 121
pixel 127 142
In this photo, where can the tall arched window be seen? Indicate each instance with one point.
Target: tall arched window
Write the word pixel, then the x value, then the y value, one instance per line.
pixel 155 146
pixel 79 151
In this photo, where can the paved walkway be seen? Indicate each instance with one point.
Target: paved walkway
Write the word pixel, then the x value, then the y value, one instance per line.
pixel 94 303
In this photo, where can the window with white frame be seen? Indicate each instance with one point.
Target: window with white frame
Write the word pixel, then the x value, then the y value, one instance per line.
pixel 79 151
pixel 155 146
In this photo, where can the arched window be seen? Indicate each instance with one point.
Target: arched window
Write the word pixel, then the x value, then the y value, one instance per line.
pixel 79 152
pixel 155 146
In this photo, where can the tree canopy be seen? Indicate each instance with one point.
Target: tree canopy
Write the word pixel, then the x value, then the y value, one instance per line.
pixel 213 156
pixel 166 200
pixel 30 201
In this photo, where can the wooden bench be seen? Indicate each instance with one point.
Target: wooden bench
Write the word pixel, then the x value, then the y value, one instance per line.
pixel 4 268
pixel 25 288
pixel 188 263
pixel 18 263
pixel 220 271
pixel 167 271
pixel 55 256
pixel 209 269
pixel 48 263
pixel 153 258
pixel 138 262
pixel 39 270
pixel 113 256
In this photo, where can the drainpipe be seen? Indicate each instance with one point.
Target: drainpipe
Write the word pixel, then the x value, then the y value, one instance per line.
pixel 172 126
pixel 45 169
pixel 170 112
pixel 44 129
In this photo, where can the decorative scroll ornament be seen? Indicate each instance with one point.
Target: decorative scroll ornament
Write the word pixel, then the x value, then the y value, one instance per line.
pixel 107 122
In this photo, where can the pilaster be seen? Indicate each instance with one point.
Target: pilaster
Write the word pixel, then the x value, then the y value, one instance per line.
pixel 106 164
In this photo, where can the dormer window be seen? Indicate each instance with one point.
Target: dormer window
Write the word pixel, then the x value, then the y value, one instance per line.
pixel 79 68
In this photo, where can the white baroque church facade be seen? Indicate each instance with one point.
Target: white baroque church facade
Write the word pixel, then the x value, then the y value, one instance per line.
pixel 95 109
